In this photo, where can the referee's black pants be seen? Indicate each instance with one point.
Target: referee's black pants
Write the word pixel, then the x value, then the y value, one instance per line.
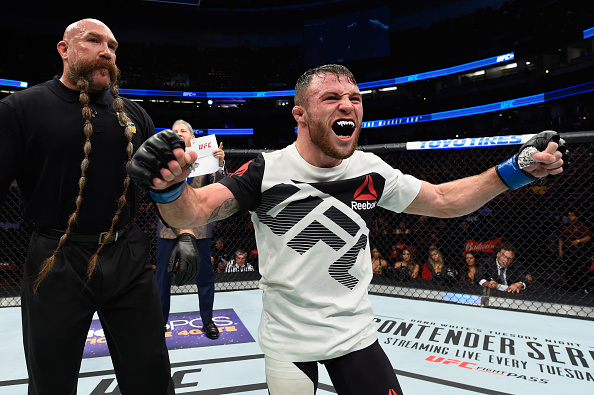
pixel 122 291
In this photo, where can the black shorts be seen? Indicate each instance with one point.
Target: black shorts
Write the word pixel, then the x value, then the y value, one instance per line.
pixel 363 372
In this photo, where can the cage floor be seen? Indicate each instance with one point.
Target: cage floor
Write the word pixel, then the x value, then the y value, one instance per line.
pixel 434 347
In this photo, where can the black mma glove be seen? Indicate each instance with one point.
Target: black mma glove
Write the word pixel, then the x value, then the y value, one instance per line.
pixel 152 156
pixel 511 172
pixel 186 256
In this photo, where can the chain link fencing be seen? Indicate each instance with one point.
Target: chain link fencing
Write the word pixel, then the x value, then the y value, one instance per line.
pixel 532 219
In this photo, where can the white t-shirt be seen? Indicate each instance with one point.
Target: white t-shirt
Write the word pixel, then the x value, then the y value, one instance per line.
pixel 312 228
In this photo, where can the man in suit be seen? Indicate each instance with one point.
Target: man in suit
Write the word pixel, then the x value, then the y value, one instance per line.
pixel 497 273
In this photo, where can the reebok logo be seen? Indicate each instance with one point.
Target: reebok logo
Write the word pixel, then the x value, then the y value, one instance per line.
pixel 392 392
pixel 239 172
pixel 366 190
pixel 362 206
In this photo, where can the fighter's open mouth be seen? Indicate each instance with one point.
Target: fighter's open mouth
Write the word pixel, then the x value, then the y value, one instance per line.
pixel 343 128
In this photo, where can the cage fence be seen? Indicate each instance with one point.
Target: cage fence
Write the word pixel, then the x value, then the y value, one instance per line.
pixel 533 219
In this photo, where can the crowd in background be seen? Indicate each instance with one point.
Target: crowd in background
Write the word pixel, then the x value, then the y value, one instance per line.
pixel 451 251
pixel 529 218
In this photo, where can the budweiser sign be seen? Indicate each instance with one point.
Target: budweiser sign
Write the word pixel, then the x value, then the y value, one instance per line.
pixel 485 246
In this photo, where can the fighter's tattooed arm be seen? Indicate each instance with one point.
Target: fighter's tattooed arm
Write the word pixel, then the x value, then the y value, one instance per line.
pixel 226 209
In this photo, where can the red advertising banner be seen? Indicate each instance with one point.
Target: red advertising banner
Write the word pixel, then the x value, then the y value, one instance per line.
pixel 485 246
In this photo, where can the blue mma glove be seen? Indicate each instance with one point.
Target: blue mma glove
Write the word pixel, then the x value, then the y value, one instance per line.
pixel 511 172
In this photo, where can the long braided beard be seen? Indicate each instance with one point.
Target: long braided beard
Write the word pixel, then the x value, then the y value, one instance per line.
pixel 83 82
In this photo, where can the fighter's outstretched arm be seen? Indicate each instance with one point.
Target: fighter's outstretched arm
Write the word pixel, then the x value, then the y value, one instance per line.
pixel 540 156
pixel 456 198
pixel 160 166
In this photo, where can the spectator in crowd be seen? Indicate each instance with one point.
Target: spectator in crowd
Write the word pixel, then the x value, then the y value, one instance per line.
pixel 220 255
pixel 497 273
pixel 380 231
pixel 485 226
pixel 402 229
pixel 461 234
pixel 424 235
pixel 68 142
pixel 240 263
pixel 402 234
pixel 378 263
pixel 469 267
pixel 446 240
pixel 575 253
pixel 408 267
pixel 435 264
pixel 436 268
pixel 312 205
pixel 396 253
pixel 175 245
pixel 443 230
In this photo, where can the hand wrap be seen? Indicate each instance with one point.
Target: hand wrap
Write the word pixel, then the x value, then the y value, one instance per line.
pixel 511 172
pixel 184 260
pixel 168 195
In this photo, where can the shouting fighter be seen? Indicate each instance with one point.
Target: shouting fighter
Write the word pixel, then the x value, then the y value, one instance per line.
pixel 312 204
